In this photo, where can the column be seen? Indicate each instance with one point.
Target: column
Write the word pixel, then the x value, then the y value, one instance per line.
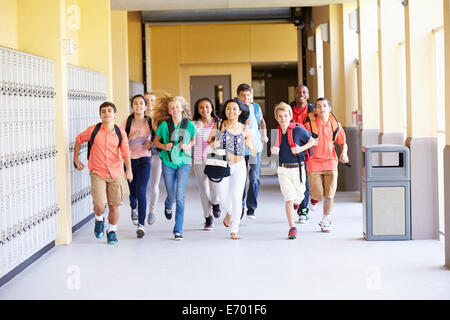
pixel 420 18
pixel 391 82
pixel 447 132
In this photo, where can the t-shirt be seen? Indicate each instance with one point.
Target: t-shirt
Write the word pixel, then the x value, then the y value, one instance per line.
pixel 138 136
pixel 201 143
pixel 104 159
pixel 179 158
pixel 324 157
pixel 299 114
pixel 300 137
pixel 255 119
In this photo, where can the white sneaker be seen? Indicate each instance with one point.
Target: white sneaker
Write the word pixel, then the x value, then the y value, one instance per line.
pixel 325 224
pixel 313 207
pixel 140 232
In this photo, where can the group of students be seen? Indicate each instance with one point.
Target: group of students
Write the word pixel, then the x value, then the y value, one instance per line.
pixel 160 139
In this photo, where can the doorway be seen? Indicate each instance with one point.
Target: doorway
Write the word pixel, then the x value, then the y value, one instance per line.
pixel 205 86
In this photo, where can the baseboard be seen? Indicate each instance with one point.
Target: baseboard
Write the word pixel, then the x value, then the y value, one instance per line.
pixel 14 272
pixel 82 222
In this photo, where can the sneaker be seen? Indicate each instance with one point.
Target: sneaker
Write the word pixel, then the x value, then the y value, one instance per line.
pixel 151 218
pixel 112 238
pixel 303 216
pixel 140 232
pixel 134 217
pixel 292 233
pixel 168 213
pixel 209 223
pixel 325 224
pixel 178 236
pixel 242 214
pixel 251 213
pixel 312 206
pixel 99 229
pixel 216 210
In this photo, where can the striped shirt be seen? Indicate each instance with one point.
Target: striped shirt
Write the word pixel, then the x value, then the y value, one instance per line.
pixel 201 143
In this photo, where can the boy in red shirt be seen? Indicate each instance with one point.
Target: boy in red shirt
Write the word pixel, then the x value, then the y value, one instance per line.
pixel 105 168
pixel 322 166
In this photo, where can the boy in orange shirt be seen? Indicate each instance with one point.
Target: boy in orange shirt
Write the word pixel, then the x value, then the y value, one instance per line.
pixel 105 168
pixel 322 166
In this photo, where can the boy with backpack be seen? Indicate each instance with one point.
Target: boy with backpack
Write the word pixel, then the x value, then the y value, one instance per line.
pixel 322 166
pixel 105 168
pixel 292 141
pixel 301 108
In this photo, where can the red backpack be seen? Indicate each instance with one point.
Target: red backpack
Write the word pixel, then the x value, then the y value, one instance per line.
pixel 290 137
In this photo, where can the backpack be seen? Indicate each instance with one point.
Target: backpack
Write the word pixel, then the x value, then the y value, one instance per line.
pixel 291 142
pixel 94 133
pixel 171 127
pixel 290 136
pixel 315 133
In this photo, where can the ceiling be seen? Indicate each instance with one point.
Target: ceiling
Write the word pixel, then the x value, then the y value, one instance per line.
pixel 155 5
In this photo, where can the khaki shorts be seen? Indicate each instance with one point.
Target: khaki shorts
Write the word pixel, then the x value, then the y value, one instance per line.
pixel 322 183
pixel 291 188
pixel 106 191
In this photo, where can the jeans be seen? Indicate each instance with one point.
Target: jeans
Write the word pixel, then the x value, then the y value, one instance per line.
pixel 138 186
pixel 176 181
pixel 305 201
pixel 254 181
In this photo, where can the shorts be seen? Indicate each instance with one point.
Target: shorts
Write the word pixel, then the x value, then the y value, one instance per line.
pixel 322 184
pixel 106 191
pixel 291 187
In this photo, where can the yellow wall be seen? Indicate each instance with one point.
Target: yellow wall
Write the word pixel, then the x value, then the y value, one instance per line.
pixel 177 52
pixel 135 46
pixel 8 24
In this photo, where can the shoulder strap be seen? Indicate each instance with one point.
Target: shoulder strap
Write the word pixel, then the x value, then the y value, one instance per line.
pixel 312 122
pixel 91 141
pixel 279 133
pixel 128 125
pixel 171 128
pixel 149 121
pixel 334 126
pixel 119 135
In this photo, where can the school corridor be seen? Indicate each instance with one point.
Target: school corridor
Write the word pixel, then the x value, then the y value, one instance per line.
pixel 264 264
pixel 383 67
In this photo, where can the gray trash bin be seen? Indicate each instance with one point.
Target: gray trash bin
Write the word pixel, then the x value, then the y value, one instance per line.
pixel 386 192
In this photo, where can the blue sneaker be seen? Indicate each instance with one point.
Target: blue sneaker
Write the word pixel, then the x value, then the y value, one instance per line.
pixel 112 239
pixel 99 229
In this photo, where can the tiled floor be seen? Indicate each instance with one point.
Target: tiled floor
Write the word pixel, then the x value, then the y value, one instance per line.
pixel 264 264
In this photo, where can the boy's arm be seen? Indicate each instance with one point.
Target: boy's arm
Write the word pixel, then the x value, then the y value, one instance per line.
pixel 248 141
pixel 341 140
pixel 128 171
pixel 76 150
pixel 311 143
pixel 79 140
pixel 264 136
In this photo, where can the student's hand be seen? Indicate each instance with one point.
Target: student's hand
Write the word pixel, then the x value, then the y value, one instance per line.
pixel 148 145
pixel 216 144
pixel 78 164
pixel 275 150
pixel 168 146
pixel 265 138
pixel 343 158
pixel 247 142
pixel 184 147
pixel 296 150
pixel 129 175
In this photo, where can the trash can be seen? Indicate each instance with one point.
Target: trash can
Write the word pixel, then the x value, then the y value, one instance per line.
pixel 386 192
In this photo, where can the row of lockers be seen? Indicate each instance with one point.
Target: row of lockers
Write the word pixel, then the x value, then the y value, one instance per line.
pixel 86 91
pixel 28 204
